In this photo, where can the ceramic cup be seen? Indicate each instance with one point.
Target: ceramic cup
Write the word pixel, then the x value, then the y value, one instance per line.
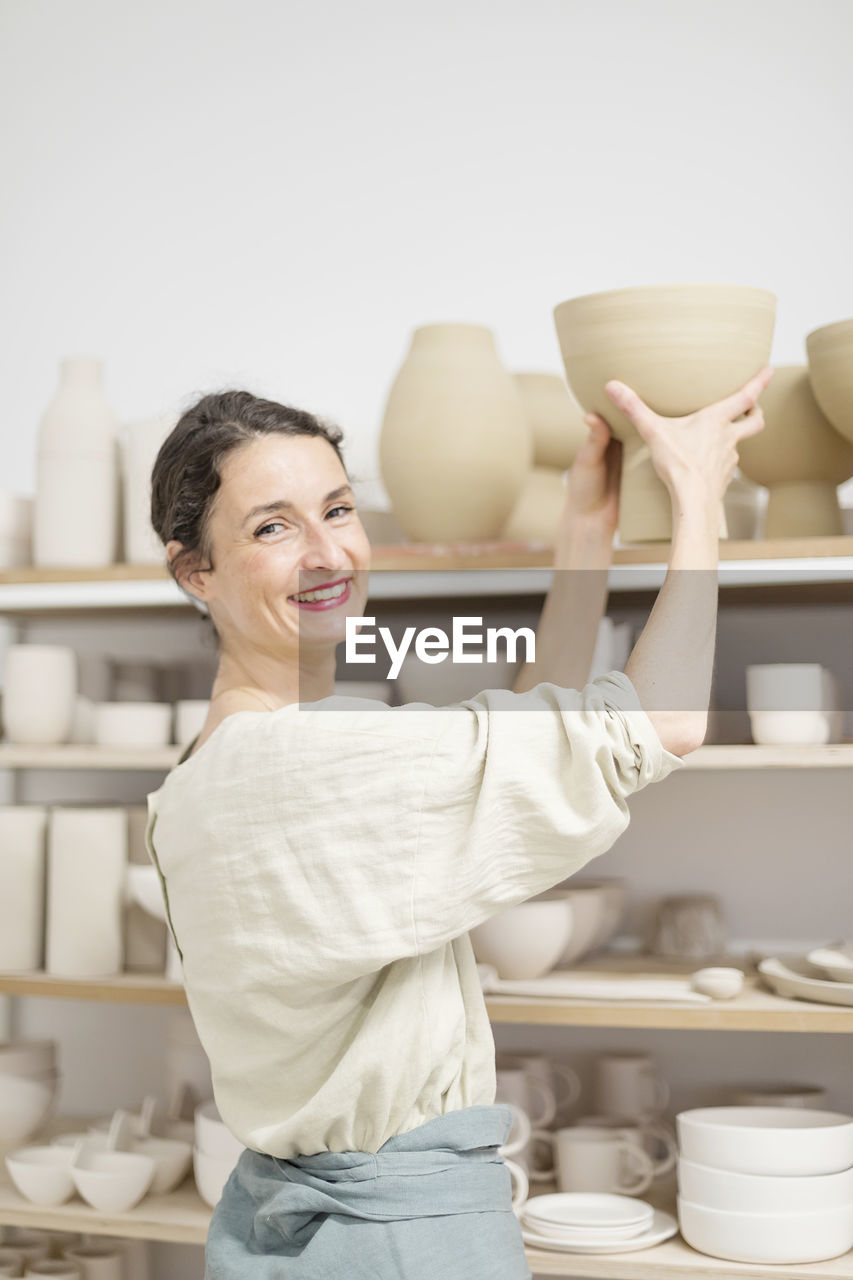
pixel 690 927
pixel 654 1137
pixel 559 1079
pixel 520 1184
pixel 22 882
pixel 133 724
pixel 598 1160
pixel 39 693
pixel 97 1261
pixel 54 1267
pixel 519 1134
pixel 527 1092
pixel 629 1086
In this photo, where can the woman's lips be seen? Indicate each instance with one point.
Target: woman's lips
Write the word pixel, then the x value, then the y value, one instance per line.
pixel 319 605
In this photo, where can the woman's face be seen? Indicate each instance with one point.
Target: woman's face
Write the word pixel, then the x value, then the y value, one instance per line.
pixel 284 523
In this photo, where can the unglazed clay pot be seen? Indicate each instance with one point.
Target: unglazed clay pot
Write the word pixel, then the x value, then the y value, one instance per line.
pixel 830 352
pixel 455 445
pixel 799 457
pixel 680 347
pixel 536 514
pixel 555 418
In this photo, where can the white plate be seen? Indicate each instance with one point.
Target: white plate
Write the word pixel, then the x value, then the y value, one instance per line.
pixel 793 976
pixel 570 985
pixel 586 1210
pixel 663 1227
pixel 836 960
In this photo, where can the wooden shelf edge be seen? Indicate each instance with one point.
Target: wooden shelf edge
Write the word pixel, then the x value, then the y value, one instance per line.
pixel 179 1218
pixel 126 988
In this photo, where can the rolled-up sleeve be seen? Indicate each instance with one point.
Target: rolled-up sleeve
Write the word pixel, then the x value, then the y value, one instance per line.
pixel 522 791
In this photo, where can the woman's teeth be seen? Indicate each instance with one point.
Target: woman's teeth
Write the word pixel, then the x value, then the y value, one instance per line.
pixel 326 593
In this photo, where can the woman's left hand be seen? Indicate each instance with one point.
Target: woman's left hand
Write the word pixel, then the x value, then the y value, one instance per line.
pixel 592 483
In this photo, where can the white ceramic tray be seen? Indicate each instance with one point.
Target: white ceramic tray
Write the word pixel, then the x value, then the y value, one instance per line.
pixel 565 984
pixel 795 977
pixel 663 1227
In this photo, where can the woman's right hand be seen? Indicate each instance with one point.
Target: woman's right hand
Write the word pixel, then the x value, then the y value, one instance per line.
pixel 699 451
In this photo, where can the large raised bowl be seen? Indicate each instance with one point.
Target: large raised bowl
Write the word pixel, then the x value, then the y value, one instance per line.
pixel 783 1141
pixel 830 352
pixel 782 1238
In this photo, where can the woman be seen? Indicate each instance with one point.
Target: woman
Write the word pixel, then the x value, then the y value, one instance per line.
pixel 323 864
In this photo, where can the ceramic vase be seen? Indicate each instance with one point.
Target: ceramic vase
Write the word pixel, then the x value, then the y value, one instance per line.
pixel 680 347
pixel 140 443
pixel 76 508
pixel 455 446
pixel 16 530
pixel 39 693
pixel 830 354
pixel 554 417
pixel 538 508
pixel 87 859
pixel 799 457
pixel 22 838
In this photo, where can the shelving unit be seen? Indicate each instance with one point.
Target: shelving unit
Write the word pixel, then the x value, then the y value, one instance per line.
pixel 412 573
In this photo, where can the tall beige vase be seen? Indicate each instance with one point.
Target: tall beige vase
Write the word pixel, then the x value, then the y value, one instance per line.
pixel 680 347
pixel 455 446
pixel 75 523
pixel 799 457
pixel 830 353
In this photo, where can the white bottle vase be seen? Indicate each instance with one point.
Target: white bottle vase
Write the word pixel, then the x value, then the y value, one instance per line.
pixel 76 511
pixel 455 446
pixel 87 862
pixel 140 444
pixel 22 829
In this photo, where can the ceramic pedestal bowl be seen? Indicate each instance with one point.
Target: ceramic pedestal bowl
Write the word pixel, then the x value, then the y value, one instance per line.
pixel 830 352
pixel 680 347
pixel 799 457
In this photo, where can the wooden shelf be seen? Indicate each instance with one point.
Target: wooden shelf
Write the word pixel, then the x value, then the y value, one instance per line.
pixel 123 988
pixel 756 1009
pixel 420 570
pixel 160 759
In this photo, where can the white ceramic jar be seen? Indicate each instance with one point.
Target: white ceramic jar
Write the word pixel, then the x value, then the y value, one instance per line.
pixel 22 873
pixel 39 693
pixel 140 444
pixel 87 861
pixel 76 510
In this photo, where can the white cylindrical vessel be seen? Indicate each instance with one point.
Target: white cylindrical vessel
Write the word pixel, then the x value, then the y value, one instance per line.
pixel 140 443
pixel 39 693
pixel 87 860
pixel 22 865
pixel 76 509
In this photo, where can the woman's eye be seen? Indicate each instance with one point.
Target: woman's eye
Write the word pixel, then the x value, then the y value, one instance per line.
pixel 274 524
pixel 341 508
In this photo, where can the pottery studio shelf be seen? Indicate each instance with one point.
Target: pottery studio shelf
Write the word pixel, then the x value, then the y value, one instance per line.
pixel 416 570
pixel 159 759
pixel 756 1009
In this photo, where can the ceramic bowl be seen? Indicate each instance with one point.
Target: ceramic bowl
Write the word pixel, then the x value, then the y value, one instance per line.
pixel 794 728
pixel 779 1095
pixel 790 686
pixel 680 347
pixel 133 724
pixel 42 1174
pixel 212 1135
pixel 525 941
pixel 830 353
pixel 720 982
pixel 799 457
pixel 59 1268
pixel 783 1238
pixel 211 1174
pixel 754 1193
pixel 27 1057
pixel 172 1161
pixel 111 1181
pixel 25 1104
pixel 835 961
pixel 190 715
pixel 589 908
pixel 615 891
pixel 783 1141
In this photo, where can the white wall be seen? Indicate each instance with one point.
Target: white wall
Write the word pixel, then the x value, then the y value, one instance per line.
pixel 273 194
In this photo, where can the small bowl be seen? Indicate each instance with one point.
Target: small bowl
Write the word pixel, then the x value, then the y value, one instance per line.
pixel 212 1135
pixel 42 1174
pixel 27 1057
pixel 111 1181
pixel 525 941
pixel 171 1158
pixel 211 1174
pixel 721 983
pixel 133 724
pixel 756 1193
pixel 588 907
pixel 782 1238
pixel 783 1141
pixel 836 961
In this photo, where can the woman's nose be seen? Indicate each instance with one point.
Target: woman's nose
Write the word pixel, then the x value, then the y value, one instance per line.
pixel 322 548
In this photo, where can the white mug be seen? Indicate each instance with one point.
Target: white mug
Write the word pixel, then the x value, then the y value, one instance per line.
pixel 521 1186
pixel 39 693
pixel 97 1261
pixel 647 1134
pixel 558 1078
pixel 629 1086
pixel 525 1091
pixel 598 1160
pixel 519 1134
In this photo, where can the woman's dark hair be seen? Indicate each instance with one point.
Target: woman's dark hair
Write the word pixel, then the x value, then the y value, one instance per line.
pixel 186 472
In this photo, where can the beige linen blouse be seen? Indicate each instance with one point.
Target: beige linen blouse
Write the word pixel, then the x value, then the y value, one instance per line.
pixel 322 865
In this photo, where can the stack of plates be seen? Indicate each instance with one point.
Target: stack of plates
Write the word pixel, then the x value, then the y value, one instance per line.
pixel 580 1222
